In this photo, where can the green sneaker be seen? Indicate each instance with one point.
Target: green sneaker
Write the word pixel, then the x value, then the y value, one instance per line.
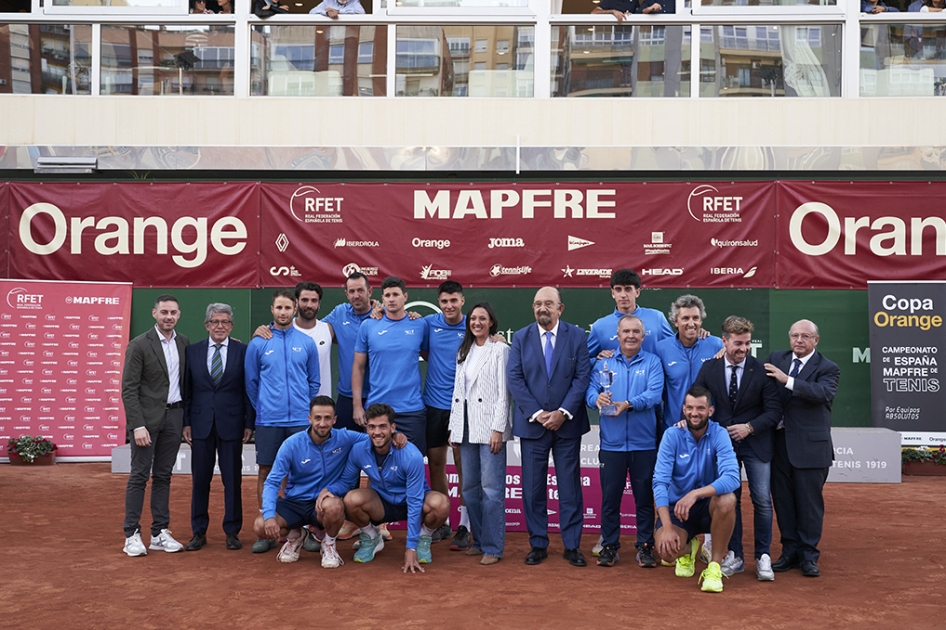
pixel 712 578
pixel 262 545
pixel 423 550
pixel 368 546
pixel 686 565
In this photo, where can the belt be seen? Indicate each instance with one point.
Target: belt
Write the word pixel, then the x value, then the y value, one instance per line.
pixel 178 405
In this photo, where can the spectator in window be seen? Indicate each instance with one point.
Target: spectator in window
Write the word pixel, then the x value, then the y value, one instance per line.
pixel 926 6
pixel 620 9
pixel 226 6
pixel 650 7
pixel 333 8
pixel 199 7
pixel 876 6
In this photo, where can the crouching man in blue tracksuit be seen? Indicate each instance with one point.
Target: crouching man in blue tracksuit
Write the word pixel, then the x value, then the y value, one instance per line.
pixel 694 481
pixel 398 492
pixel 628 438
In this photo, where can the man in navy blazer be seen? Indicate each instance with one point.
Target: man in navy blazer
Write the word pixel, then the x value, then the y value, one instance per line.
pixel 548 375
pixel 747 405
pixel 808 383
pixel 218 420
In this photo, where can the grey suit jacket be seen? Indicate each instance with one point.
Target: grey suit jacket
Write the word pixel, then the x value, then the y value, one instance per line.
pixel 145 381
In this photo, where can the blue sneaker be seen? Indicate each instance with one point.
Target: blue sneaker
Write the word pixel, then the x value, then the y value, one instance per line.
pixel 423 550
pixel 368 546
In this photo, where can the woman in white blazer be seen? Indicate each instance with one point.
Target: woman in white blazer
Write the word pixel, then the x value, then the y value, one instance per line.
pixel 481 424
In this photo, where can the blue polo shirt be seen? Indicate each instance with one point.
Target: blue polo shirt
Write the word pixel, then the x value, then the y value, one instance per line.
pixel 604 332
pixel 443 341
pixel 681 365
pixel 393 348
pixel 345 323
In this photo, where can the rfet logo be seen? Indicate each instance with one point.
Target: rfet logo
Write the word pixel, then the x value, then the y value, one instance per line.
pixel 20 298
pixel 706 205
pixel 309 205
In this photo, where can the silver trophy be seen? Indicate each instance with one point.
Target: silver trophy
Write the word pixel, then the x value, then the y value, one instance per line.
pixel 606 379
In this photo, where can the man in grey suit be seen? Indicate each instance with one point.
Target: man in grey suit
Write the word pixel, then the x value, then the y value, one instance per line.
pixel 152 386
pixel 808 382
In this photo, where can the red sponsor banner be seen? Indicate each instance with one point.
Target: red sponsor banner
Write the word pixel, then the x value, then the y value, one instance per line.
pixel 838 235
pixel 169 235
pixel 571 234
pixel 61 359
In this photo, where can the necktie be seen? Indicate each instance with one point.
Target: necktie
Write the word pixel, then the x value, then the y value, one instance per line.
pixel 733 386
pixel 796 366
pixel 216 365
pixel 548 353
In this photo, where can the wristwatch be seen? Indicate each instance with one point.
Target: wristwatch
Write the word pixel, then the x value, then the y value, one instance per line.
pixel 749 426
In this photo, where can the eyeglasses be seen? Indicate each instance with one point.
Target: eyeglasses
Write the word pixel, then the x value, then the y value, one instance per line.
pixel 803 336
pixel 547 304
pixel 220 322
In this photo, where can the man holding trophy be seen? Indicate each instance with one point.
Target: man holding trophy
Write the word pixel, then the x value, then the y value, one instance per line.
pixel 625 389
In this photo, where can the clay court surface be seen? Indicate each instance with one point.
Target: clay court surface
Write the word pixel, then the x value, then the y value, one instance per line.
pixel 61 567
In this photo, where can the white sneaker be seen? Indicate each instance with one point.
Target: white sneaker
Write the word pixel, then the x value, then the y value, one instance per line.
pixel 290 550
pixel 133 545
pixel 731 564
pixel 330 557
pixel 706 553
pixel 763 569
pixel 165 542
pixel 596 550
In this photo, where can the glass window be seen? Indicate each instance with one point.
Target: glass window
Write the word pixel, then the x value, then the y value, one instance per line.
pixel 621 60
pixel 167 60
pixel 45 58
pixel 319 60
pixel 762 60
pixel 769 3
pixel 903 60
pixel 436 61
pixel 478 4
pixel 166 7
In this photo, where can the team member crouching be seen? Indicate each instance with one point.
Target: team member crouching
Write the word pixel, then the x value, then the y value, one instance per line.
pixel 311 459
pixel 398 492
pixel 694 481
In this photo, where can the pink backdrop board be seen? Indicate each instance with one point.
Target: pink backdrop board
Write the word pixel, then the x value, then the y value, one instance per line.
pixel 61 360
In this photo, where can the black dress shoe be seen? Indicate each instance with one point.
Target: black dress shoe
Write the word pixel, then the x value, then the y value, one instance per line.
pixel 198 541
pixel 575 557
pixel 233 542
pixel 785 564
pixel 536 556
pixel 809 568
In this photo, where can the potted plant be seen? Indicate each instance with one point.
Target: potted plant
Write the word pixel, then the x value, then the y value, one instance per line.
pixel 923 460
pixel 28 450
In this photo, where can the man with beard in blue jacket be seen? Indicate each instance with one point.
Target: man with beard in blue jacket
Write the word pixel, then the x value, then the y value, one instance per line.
pixel 398 492
pixel 281 374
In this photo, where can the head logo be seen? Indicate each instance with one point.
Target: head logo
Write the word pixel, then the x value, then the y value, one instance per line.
pixel 19 298
pixel 678 271
pixel 706 207
pixel 282 242
pixel 307 205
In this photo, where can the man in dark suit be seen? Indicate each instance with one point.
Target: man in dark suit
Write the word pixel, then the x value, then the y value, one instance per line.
pixel 748 407
pixel 152 384
pixel 218 421
pixel 803 448
pixel 548 375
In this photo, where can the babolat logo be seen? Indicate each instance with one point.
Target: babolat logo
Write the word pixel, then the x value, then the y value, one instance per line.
pixel 505 242
pixel 341 242
pixel 677 271
pixel 707 206
pixel 308 205
pixel 718 242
